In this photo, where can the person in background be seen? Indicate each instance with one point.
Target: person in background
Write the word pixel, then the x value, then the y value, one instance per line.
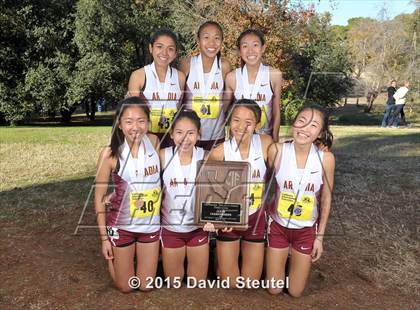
pixel 400 97
pixel 390 103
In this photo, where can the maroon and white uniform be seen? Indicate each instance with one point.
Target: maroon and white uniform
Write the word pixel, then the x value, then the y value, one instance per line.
pixel 295 213
pixel 178 227
pixel 260 91
pixel 256 220
pixel 204 96
pixel 163 99
pixel 136 178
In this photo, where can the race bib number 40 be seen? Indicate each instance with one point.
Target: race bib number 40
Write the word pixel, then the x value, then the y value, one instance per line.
pixel 208 108
pixel 150 205
pixel 301 210
pixel 161 119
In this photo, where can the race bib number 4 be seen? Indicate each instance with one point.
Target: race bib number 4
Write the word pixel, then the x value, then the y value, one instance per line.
pixel 256 191
pixel 150 205
pixel 208 108
pixel 161 119
pixel 301 210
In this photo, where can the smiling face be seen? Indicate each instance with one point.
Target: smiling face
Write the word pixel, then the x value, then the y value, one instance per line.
pixel 163 50
pixel 251 49
pixel 185 134
pixel 210 40
pixel 308 126
pixel 134 124
pixel 242 123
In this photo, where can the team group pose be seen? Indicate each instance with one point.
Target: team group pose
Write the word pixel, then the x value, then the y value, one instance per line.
pixel 170 120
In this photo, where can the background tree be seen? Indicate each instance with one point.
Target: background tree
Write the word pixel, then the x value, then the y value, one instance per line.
pixel 112 38
pixel 38 57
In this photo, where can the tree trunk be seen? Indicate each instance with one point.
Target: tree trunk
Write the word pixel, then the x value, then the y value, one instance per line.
pixel 66 114
pixel 372 95
pixel 92 108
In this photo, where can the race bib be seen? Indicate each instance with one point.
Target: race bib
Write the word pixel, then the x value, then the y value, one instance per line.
pixel 263 116
pixel 150 206
pixel 161 120
pixel 256 191
pixel 209 108
pixel 302 210
pixel 112 232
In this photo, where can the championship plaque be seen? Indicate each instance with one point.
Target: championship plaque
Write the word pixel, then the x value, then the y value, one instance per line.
pixel 222 195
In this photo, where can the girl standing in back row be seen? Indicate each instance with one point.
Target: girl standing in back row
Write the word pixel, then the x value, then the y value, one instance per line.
pixel 160 84
pixel 206 73
pixel 256 81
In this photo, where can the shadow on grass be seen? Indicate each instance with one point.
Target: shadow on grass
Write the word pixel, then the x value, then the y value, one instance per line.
pixel 38 204
pixel 352 114
pixel 100 120
pixel 387 143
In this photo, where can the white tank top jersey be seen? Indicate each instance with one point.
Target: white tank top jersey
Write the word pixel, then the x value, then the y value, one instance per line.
pixel 210 87
pixel 163 97
pixel 179 191
pixel 258 168
pixel 260 91
pixel 142 174
pixel 298 193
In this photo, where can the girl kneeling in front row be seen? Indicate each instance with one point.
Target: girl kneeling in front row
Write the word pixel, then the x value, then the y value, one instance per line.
pixel 244 145
pixel 180 238
pixel 304 177
pixel 131 227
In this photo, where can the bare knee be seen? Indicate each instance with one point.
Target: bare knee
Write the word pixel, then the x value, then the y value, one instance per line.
pixel 123 288
pixel 144 288
pixel 274 291
pixel 295 292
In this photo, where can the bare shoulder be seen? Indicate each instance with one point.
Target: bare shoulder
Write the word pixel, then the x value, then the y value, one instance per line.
pixel 329 159
pixel 154 140
pixel 136 82
pixel 185 65
pixel 266 140
pixel 226 67
pixel 231 79
pixel 275 74
pixel 275 149
pixel 139 73
pixel 217 153
pixel 106 161
pixel 105 153
pixel 162 157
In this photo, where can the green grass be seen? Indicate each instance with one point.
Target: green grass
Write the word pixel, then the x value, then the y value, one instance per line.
pixel 38 155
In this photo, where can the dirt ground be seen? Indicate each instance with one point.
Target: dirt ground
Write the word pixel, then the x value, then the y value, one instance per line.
pixel 45 266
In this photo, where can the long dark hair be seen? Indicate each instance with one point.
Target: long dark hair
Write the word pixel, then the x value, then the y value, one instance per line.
pixel 253 31
pixel 247 103
pixel 326 137
pixel 217 25
pixel 117 137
